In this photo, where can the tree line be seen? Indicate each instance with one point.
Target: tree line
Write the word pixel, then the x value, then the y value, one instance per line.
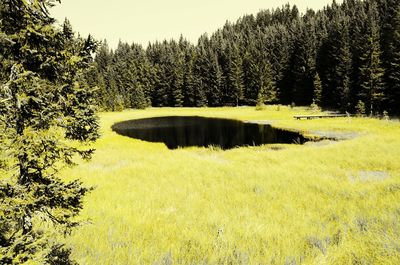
pixel 342 57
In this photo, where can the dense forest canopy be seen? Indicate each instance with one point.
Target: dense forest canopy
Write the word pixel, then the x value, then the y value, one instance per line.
pixel 342 57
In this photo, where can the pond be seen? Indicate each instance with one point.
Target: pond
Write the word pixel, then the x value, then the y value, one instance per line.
pixel 182 131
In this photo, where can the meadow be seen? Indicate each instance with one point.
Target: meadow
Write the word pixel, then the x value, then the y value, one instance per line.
pixel 329 202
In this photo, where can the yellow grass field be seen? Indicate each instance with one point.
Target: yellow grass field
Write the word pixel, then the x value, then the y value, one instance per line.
pixel 320 203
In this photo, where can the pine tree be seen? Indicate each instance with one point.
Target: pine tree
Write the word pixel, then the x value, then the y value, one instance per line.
pixel 390 43
pixel 199 78
pixel 251 88
pixel 45 111
pixel 393 92
pixel 103 57
pixel 95 79
pixel 138 97
pixel 200 97
pixel 278 44
pixel 336 70
pixel 106 81
pixel 235 76
pixel 304 60
pixel 216 83
pixel 189 82
pixel 317 95
pixel 371 71
pixel 168 80
pixel 178 80
pixel 124 74
pixel 357 30
pixel 67 30
pixel 144 74
pixel 267 90
pixel 343 91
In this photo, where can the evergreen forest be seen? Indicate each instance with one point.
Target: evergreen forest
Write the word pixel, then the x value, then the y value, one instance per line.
pixel 345 57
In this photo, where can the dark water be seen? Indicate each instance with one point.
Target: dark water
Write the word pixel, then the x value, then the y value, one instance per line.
pixel 181 131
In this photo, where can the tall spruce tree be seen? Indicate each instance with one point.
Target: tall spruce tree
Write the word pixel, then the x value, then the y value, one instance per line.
pixel 178 77
pixel 390 43
pixel 278 43
pixel 144 75
pixel 394 71
pixel 234 77
pixel 267 92
pixel 216 82
pixel 250 80
pixel 371 71
pixel 198 85
pixel 124 74
pixel 189 80
pixel 45 110
pixel 317 94
pixel 304 60
pixel 200 69
pixel 107 85
pixel 336 70
pixel 356 10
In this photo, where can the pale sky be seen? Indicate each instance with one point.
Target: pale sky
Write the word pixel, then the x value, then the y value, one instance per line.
pixel 141 21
